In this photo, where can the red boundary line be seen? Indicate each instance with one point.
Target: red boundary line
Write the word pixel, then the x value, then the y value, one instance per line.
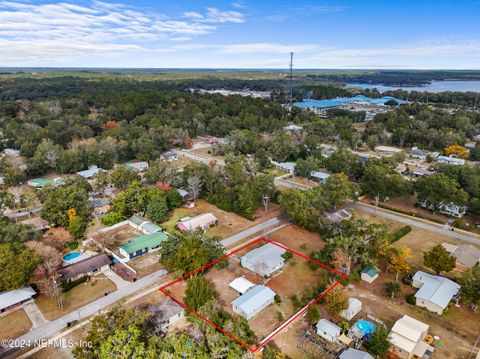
pixel 164 291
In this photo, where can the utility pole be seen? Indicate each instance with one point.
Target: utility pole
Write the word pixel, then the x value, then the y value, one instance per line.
pixel 290 92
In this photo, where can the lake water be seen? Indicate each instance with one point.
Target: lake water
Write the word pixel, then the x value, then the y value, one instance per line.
pixel 341 100
pixel 434 86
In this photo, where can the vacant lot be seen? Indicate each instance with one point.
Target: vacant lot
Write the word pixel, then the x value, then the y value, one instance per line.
pixel 116 237
pixel 14 324
pixel 228 223
pixel 146 264
pixel 77 297
pixel 298 239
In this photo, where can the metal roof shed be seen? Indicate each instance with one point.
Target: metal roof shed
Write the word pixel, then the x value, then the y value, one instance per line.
pixel 241 285
pixel 253 301
pixel 264 260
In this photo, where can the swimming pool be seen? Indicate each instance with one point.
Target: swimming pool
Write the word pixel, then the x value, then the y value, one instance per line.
pixel 72 255
pixel 366 327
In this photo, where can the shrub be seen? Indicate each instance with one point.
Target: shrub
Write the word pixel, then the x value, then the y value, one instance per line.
pixel 303 246
pixel 66 286
pixel 353 277
pixel 297 304
pixel 287 255
pixel 112 218
pixel 314 314
pixel 72 245
pixel 410 298
pixel 277 299
pixel 280 316
pixel 399 233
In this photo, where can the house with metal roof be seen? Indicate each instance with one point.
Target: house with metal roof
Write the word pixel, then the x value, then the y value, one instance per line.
pixel 451 160
pixel 39 182
pixel 435 292
pixel 15 298
pixel 328 330
pixel 351 353
pixel 202 221
pixel 165 313
pixel 264 260
pixel 241 285
pixel 149 227
pixel 91 172
pixel 140 245
pixel 338 216
pixel 467 256
pixel 253 301
pixel 137 166
pixel 418 153
pixel 407 336
pixel 319 176
pixel 89 266
pixel 354 307
pixel 288 167
pixel 170 156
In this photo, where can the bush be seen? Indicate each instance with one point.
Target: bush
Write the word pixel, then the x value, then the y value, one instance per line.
pixel 72 245
pixel 297 304
pixel 353 277
pixel 408 213
pixel 112 218
pixel 287 255
pixel 399 233
pixel 410 298
pixel 314 314
pixel 280 317
pixel 66 286
pixel 277 299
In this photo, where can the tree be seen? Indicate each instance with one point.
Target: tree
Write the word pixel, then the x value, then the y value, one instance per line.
pixel 392 288
pixel 6 201
pixel 120 333
pixel 379 342
pixel 195 186
pixel 456 150
pixel 304 167
pixel 17 264
pixel 439 188
pixel 159 171
pixel 190 251
pixel 122 177
pixel 344 161
pixel 100 182
pixel 199 291
pixel 77 227
pixel 470 282
pixel 398 260
pixel 157 209
pixel 281 146
pixel 341 261
pixel 314 314
pixel 439 259
pixel 336 301
pixel 337 189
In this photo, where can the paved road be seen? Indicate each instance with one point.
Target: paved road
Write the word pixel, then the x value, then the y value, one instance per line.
pixel 420 224
pixel 252 230
pixel 51 328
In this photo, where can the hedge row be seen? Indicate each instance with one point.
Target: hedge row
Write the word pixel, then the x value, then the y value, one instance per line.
pixel 408 213
pixel 399 233
pixel 66 286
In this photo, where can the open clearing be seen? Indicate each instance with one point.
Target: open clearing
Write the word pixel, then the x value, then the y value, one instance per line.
pixel 146 264
pixel 14 324
pixel 228 223
pixel 77 297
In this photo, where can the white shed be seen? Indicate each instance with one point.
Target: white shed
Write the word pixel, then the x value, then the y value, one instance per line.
pixel 354 307
pixel 241 285
pixel 254 301
pixel 328 330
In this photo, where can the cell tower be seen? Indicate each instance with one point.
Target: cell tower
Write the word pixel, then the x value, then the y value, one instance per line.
pixel 290 93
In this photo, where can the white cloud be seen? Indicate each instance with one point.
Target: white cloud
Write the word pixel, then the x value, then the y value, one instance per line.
pixel 60 30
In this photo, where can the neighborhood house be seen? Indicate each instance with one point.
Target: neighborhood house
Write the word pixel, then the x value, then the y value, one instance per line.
pixel 253 301
pixel 137 166
pixel 351 353
pixel 241 285
pixel 91 172
pixel 264 260
pixel 467 255
pixel 328 330
pixel 89 266
pixel 369 274
pixel 319 176
pixel 142 244
pixel 165 313
pixel 202 221
pixel 354 307
pixel 435 292
pixel 15 298
pixel 407 336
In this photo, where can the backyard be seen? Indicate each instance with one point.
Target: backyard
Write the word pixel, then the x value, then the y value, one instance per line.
pixel 14 324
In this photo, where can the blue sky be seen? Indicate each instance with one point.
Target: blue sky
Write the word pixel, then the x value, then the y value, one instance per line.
pixel 402 34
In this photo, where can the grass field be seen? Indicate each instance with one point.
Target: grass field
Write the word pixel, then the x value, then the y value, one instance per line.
pixel 77 297
pixel 14 324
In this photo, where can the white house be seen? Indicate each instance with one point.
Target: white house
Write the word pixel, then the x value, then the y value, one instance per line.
pixel 351 353
pixel 91 172
pixel 170 156
pixel 203 221
pixel 452 209
pixel 407 336
pixel 241 285
pixel 253 301
pixel 388 149
pixel 435 292
pixel 328 330
pixel 165 313
pixel 369 274
pixel 451 160
pixel 288 167
pixel 467 255
pixel 15 298
pixel 418 153
pixel 354 307
pixel 293 128
pixel 319 176
pixel 264 260
pixel 137 166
